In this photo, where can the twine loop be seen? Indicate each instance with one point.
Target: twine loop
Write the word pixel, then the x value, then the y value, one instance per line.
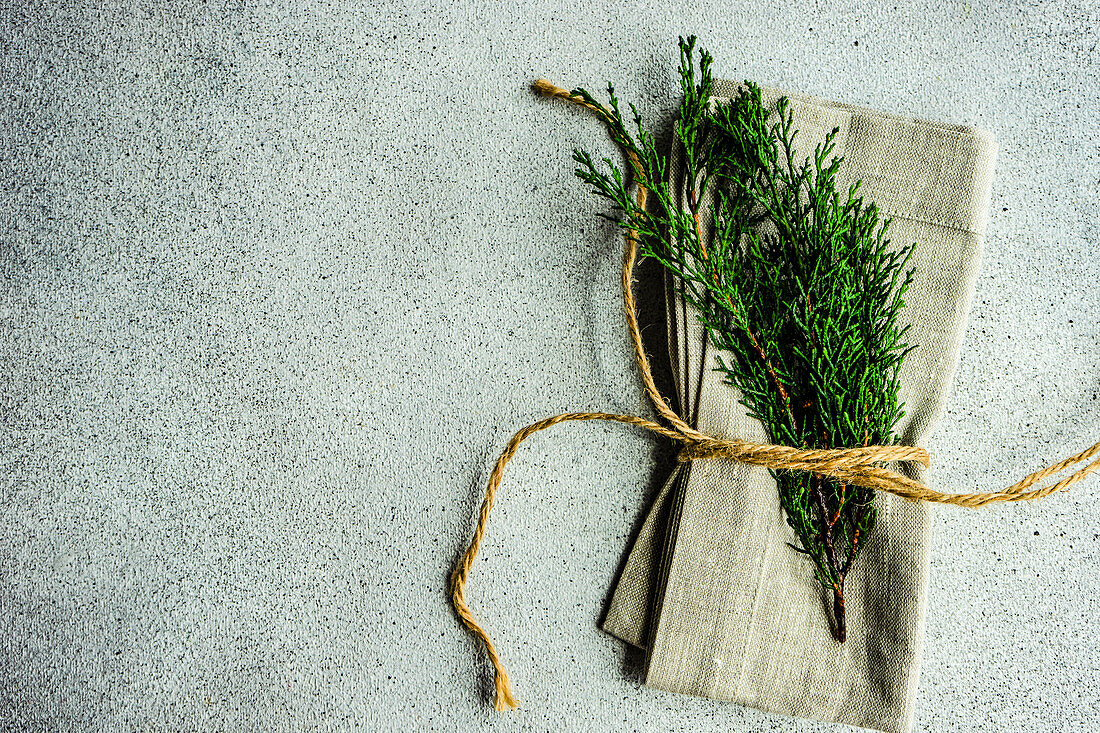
pixel 861 466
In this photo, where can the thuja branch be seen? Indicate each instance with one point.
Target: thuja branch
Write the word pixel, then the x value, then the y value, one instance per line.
pixel 794 281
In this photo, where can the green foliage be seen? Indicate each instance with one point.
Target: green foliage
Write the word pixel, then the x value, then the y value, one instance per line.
pixel 796 284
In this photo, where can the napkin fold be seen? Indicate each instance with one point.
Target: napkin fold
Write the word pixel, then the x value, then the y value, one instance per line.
pixel 711 588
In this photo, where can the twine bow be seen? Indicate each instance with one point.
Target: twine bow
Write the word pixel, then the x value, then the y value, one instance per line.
pixel 862 466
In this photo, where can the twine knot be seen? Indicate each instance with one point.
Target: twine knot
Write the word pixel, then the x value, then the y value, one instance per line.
pixel 863 466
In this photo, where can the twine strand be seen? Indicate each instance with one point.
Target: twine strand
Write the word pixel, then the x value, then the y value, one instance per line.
pixel 862 466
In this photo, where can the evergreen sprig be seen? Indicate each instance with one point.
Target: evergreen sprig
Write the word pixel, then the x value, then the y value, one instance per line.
pixel 796 285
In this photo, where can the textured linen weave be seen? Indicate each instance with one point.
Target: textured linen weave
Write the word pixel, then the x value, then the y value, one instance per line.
pixel 724 606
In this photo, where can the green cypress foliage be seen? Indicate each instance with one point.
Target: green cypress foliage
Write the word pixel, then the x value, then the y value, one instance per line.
pixel 795 282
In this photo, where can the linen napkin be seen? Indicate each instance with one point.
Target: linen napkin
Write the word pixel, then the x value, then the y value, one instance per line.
pixel 724 606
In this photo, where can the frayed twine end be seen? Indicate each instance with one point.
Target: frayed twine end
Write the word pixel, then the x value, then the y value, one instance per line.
pixel 549 89
pixel 504 700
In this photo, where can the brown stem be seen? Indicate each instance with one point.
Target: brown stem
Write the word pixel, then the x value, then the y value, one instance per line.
pixel 851 553
pixel 816 483
pixel 839 505
pixel 827 530
pixel 838 611
pixel 693 204
pixel 782 390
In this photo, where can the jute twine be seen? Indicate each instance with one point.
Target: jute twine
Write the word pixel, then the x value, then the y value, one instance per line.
pixel 860 466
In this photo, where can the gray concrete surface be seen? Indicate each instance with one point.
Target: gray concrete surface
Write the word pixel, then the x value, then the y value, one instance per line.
pixel 279 280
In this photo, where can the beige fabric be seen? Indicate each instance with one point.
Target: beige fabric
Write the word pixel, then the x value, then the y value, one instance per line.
pixel 724 606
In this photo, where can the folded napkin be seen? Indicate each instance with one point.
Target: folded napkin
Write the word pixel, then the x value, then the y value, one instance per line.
pixel 723 604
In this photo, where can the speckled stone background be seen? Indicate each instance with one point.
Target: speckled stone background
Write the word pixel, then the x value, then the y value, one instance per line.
pixel 279 280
